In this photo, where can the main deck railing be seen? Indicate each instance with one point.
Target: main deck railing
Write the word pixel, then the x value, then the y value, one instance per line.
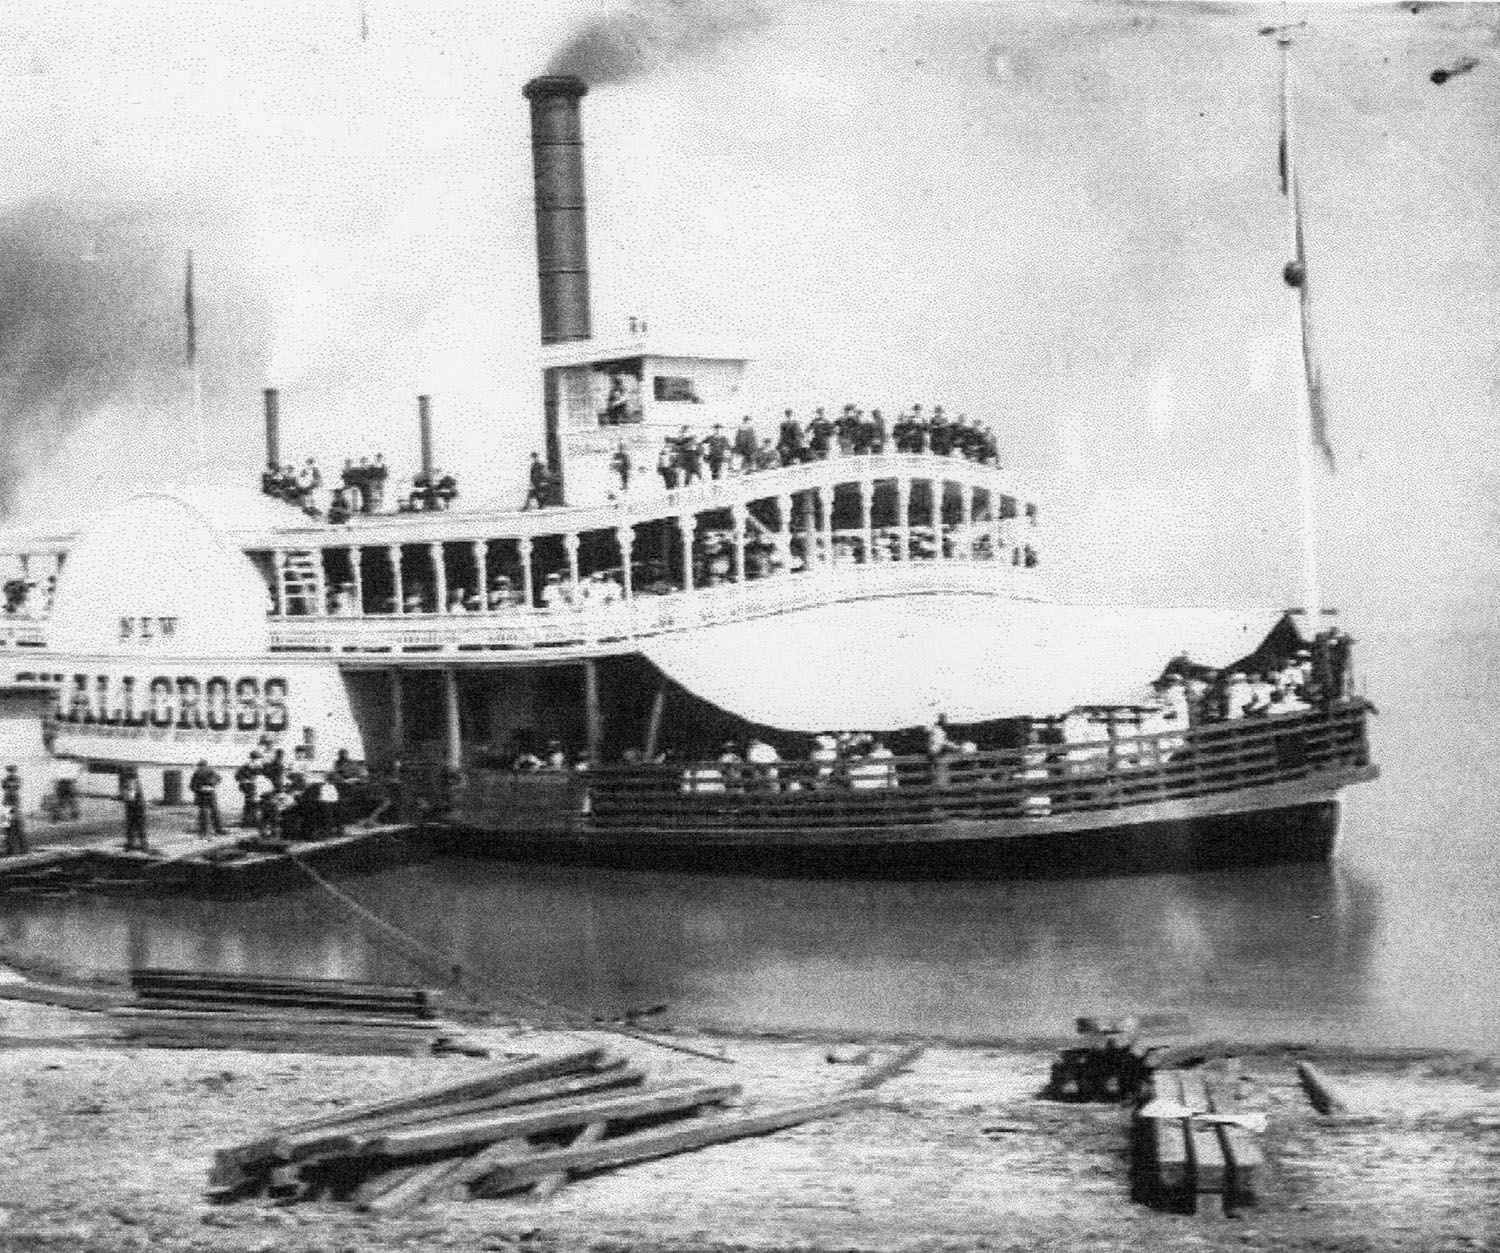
pixel 1053 781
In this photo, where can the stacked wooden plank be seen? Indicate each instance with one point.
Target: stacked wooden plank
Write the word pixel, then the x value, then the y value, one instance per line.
pixel 525 1126
pixel 197 989
pixel 195 1009
pixel 1194 1139
pixel 1120 1054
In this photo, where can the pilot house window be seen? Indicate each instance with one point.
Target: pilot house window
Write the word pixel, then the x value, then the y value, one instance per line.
pixel 672 388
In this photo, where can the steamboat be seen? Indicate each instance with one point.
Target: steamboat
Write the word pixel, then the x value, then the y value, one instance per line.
pixel 843 661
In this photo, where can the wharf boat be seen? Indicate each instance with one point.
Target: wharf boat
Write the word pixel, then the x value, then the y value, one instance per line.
pixel 628 628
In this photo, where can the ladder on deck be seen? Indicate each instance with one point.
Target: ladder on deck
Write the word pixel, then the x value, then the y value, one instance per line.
pixel 303 588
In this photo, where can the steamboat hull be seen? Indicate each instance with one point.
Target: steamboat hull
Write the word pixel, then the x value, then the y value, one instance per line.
pixel 960 850
pixel 1224 796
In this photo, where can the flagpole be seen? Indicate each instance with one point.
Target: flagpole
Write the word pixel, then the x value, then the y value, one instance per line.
pixel 1304 423
pixel 199 443
pixel 190 319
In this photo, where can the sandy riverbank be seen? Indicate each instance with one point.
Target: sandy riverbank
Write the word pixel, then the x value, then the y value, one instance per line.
pixel 107 1149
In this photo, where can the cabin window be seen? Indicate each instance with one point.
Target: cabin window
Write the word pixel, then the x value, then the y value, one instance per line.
pixel 674 388
pixel 617 392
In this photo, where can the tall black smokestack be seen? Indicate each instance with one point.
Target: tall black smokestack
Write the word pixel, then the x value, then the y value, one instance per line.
pixel 561 239
pixel 424 432
pixel 273 427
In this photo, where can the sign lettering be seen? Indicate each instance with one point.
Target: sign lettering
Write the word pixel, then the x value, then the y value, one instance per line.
pixel 184 702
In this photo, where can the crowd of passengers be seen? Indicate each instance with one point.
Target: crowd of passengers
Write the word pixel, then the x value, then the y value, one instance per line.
pixel 1187 696
pixel 283 799
pixel 362 489
pixel 713 566
pixel 26 597
pixel 685 458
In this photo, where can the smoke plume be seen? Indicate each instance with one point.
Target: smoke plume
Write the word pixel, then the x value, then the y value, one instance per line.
pixel 645 36
pixel 91 319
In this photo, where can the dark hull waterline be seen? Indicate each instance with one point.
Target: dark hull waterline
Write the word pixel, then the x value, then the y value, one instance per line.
pixel 1299 832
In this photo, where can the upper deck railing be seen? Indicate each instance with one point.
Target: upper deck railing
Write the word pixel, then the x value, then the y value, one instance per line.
pixel 601 626
pixel 645 501
pixel 829 530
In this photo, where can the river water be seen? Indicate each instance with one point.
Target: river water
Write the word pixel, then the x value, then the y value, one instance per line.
pixel 1395 943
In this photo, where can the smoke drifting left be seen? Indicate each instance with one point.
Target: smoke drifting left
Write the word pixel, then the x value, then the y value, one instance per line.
pixel 91 317
pixel 644 37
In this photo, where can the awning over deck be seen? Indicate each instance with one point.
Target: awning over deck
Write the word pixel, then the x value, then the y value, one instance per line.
pixel 889 664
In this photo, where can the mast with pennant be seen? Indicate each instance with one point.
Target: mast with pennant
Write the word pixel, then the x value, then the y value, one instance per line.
pixel 1310 425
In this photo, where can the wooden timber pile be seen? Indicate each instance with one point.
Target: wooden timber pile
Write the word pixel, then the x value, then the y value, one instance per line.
pixel 196 1009
pixel 1120 1055
pixel 526 1126
pixel 1192 1139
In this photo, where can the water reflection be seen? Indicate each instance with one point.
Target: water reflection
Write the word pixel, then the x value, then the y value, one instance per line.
pixel 1397 943
pixel 1263 953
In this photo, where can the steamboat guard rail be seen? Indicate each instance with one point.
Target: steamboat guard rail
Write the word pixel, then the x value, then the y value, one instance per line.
pixel 1062 784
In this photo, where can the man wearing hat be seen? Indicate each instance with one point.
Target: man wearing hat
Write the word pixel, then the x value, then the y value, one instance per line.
pixel 204 784
pixel 133 795
pixel 244 779
pixel 746 446
pixel 10 797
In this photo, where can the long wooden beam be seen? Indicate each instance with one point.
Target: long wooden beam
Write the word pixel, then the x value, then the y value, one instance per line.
pixel 475 1132
pixel 488 1080
pixel 521 1171
pixel 361 1136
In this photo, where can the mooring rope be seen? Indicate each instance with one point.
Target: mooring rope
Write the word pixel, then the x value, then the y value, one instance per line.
pixel 434 962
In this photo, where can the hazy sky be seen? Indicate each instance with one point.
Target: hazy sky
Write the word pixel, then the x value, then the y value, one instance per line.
pixel 1063 218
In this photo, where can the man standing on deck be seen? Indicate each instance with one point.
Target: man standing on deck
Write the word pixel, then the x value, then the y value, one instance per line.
pixel 245 777
pixel 746 446
pixel 540 480
pixel 134 797
pixel 15 825
pixel 204 783
pixel 717 447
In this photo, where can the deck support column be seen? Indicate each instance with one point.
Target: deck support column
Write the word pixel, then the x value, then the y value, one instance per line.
pixel 903 519
pixel 685 526
pixel 528 580
pixel 994 526
pixel 653 723
pixel 866 521
pixel 570 543
pixel 737 515
pixel 439 579
pixel 481 575
pixel 966 518
pixel 625 538
pixel 278 577
pixel 398 713
pixel 825 522
pixel 935 516
pixel 453 749
pixel 357 573
pixel 784 512
pixel 593 719
pixel 320 583
pixel 398 593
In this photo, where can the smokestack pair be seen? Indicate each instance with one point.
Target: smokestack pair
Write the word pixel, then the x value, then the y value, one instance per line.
pixel 561 236
pixel 273 430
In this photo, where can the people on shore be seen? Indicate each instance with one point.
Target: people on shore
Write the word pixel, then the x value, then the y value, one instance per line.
pixel 133 797
pixel 12 813
pixel 203 783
